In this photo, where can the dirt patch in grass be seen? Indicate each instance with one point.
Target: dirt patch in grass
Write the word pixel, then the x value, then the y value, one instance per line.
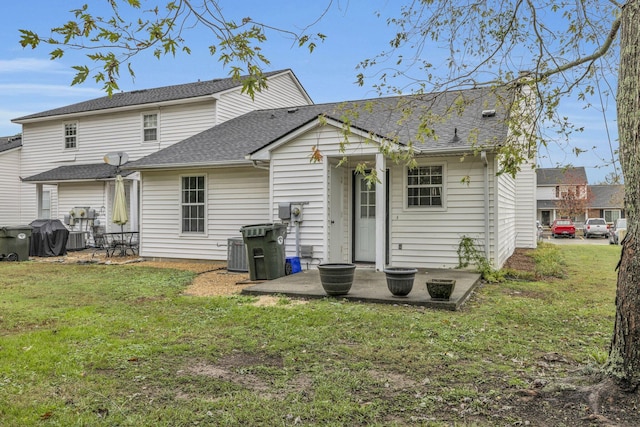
pixel 521 260
pixel 212 278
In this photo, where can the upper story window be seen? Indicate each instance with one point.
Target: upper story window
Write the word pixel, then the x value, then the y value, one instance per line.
pixel 425 186
pixel 193 204
pixel 70 136
pixel 149 127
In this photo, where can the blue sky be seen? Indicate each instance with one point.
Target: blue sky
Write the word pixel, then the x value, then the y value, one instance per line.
pixel 30 82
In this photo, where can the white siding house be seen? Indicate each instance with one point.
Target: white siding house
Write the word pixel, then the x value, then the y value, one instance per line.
pixel 63 150
pixel 242 171
pixel 10 154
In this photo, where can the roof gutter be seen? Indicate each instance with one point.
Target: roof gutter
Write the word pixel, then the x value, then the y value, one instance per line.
pixel 260 165
pixel 231 163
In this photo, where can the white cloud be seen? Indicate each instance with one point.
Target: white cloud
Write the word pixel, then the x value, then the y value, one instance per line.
pixel 54 90
pixel 31 65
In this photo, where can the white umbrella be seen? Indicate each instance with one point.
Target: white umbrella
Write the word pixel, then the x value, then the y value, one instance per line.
pixel 120 215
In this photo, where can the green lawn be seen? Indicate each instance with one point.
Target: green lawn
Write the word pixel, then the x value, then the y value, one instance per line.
pixel 92 345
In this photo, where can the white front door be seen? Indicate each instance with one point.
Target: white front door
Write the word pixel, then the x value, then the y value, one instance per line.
pixel 365 221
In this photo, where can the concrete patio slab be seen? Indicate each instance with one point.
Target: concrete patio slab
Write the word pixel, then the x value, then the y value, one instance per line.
pixel 371 286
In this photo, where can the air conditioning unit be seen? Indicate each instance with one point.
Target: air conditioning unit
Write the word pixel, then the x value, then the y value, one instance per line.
pixel 237 255
pixel 76 241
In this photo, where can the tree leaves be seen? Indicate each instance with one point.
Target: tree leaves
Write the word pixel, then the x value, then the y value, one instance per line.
pixel 117 39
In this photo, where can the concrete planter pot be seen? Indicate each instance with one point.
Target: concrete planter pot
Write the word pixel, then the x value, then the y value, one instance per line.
pixel 336 279
pixel 440 289
pixel 400 280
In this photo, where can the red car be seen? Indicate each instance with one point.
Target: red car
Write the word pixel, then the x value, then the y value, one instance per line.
pixel 563 227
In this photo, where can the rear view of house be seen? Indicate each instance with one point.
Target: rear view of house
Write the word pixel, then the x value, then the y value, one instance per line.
pixel 62 156
pixel 197 194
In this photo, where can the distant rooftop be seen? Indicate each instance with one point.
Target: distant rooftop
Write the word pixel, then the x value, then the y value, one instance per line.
pixel 557 176
pixel 10 142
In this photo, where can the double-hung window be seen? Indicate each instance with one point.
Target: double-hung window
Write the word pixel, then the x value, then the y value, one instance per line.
pixel 193 204
pixel 425 187
pixel 149 127
pixel 70 136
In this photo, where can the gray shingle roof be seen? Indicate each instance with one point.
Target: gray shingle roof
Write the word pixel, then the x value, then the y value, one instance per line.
pixel 145 96
pixel 77 172
pixel 556 176
pixel 244 135
pixel 607 196
pixel 10 142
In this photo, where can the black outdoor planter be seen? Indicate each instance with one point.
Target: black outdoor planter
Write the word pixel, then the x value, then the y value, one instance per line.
pixel 440 289
pixel 400 280
pixel 336 279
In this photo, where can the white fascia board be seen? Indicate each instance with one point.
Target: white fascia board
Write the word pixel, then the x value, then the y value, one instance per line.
pixel 172 166
pixel 265 152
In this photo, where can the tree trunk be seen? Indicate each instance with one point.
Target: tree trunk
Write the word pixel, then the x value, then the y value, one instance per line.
pixel 624 352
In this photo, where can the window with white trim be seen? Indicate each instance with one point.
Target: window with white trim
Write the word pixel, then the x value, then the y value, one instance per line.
pixel 193 204
pixel 70 136
pixel 149 127
pixel 425 186
pixel 611 215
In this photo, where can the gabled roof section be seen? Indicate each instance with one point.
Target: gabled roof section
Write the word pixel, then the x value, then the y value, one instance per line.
pixel 145 96
pixel 558 176
pixel 607 196
pixel 10 142
pixel 395 118
pixel 89 172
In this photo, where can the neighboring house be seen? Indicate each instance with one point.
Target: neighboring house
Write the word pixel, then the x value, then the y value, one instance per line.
pixel 10 153
pixel 63 149
pixel 561 192
pixel 198 193
pixel 607 202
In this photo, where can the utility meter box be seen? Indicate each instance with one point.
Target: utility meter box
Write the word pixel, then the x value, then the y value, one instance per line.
pixel 284 211
pixel 296 212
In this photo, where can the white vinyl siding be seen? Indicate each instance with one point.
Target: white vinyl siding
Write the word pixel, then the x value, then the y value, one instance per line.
pixel 424 238
pixel 106 131
pixel 281 92
pixel 526 232
pixel 235 197
pixel 506 219
pixel 10 187
pixel 297 180
pixel 82 194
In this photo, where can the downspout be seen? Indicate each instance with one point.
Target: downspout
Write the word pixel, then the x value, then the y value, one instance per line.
pixel 487 241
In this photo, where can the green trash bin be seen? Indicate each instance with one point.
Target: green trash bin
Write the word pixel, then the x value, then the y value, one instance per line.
pixel 14 243
pixel 265 250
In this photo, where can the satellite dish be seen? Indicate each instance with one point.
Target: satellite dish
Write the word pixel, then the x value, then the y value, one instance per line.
pixel 116 159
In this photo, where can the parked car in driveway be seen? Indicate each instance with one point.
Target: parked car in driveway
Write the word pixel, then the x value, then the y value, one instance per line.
pixel 617 231
pixel 563 227
pixel 596 227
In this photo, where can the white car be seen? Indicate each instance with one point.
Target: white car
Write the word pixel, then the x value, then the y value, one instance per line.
pixel 617 231
pixel 596 227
